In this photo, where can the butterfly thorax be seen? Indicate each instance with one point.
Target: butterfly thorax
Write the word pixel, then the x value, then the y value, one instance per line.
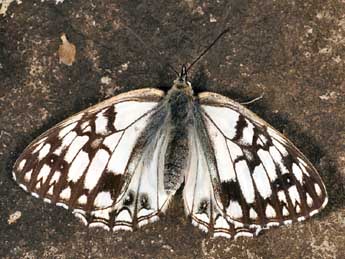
pixel 182 84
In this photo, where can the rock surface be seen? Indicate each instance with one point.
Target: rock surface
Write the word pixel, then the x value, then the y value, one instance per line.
pixel 292 51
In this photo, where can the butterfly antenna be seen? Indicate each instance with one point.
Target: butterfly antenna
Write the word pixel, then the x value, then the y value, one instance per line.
pixel 153 51
pixel 208 48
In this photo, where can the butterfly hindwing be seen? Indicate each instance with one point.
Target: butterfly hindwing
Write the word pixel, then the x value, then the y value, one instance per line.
pixel 256 178
pixel 93 162
pixel 200 192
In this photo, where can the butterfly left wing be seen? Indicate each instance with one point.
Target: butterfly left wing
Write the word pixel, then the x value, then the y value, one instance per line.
pixel 246 176
pixel 97 162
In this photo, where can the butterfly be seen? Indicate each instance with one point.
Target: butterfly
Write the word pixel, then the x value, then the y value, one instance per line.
pixel 118 164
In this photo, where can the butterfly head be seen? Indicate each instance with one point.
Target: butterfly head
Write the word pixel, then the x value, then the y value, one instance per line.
pixel 181 81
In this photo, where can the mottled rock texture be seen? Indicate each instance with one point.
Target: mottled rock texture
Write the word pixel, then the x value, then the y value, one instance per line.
pixel 292 51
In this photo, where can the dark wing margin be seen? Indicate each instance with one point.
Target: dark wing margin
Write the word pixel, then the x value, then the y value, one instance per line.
pixel 90 162
pixel 259 178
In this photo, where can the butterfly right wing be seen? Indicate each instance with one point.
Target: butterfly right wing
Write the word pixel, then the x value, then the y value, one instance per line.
pixel 245 175
pixel 98 162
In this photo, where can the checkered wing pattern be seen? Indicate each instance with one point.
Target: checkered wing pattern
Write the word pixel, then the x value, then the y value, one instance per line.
pixel 245 176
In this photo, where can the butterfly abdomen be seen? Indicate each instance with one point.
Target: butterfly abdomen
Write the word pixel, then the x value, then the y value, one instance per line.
pixel 177 154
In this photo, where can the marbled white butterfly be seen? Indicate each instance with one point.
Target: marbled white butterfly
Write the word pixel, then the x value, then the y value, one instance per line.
pixel 118 164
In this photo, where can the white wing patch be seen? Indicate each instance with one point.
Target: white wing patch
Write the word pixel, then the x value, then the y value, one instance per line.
pixel 120 156
pixel 225 119
pixel 127 112
pixel 96 169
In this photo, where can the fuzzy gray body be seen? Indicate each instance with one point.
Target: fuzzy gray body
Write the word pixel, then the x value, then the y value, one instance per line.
pixel 180 112
pixel 173 118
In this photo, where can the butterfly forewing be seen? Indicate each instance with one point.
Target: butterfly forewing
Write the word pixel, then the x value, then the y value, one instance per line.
pixel 93 162
pixel 257 178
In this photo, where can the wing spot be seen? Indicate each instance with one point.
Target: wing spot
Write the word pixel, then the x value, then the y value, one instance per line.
pixel 102 215
pixel 282 197
pixel 63 166
pixel 203 206
pixel 44 151
pixel 234 209
pixel 21 165
pixel 294 195
pixel 285 181
pixel 60 204
pixel 96 169
pixel 317 189
pixel 144 201
pixel 221 223
pixel 235 150
pixel 128 112
pixel 124 215
pixel 309 201
pixel 253 214
pixel 27 176
pixel 248 134
pixel 51 190
pixel 78 166
pixel 298 209
pixel 103 200
pixel 101 123
pixel 112 140
pixel 270 212
pixel 129 199
pixel 297 172
pixel 285 211
pixel 23 187
pixel 262 182
pixel 245 181
pixel 44 173
pixel 82 199
pixel 268 164
pixel 225 118
pixel 66 193
pixel 52 159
